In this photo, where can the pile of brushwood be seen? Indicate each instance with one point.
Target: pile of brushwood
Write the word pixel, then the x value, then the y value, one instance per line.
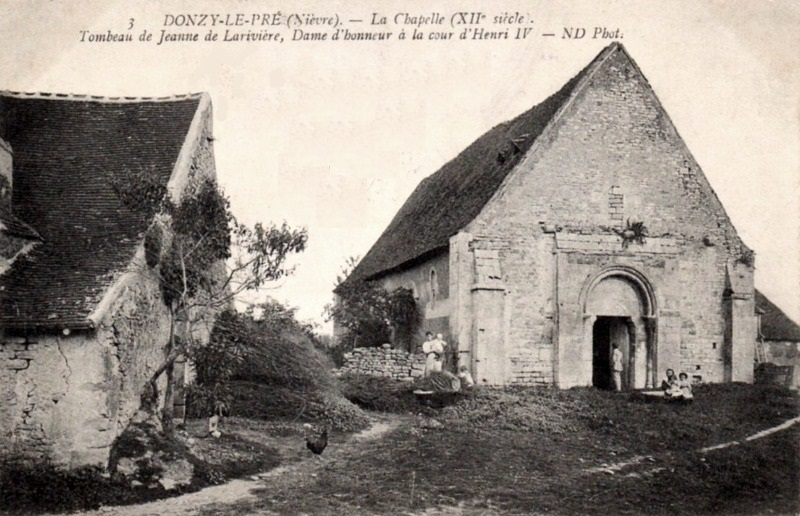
pixel 632 418
pixel 279 372
pixel 379 393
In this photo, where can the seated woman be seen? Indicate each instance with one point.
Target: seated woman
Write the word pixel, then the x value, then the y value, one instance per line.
pixel 685 386
pixel 669 383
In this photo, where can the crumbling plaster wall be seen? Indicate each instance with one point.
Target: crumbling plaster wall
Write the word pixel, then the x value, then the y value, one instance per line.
pixel 66 397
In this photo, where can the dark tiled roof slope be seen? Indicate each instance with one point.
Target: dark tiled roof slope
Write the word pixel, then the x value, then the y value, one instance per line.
pixel 64 152
pixel 445 202
pixel 775 325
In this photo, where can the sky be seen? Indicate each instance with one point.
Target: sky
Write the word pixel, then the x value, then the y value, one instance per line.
pixel 334 135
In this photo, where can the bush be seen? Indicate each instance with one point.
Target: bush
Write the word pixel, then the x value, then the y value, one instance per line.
pixel 44 487
pixel 214 364
pixel 336 353
pixel 203 401
pixel 27 488
pixel 378 393
pixel 371 315
pixel 282 373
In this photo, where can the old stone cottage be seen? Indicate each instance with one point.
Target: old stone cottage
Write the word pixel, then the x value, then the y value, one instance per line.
pixel 82 322
pixel 581 222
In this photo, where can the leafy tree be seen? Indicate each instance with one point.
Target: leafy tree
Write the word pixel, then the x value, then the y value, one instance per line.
pixel 203 258
pixel 215 364
pixel 371 315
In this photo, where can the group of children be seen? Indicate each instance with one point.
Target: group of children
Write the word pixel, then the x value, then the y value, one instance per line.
pixel 677 388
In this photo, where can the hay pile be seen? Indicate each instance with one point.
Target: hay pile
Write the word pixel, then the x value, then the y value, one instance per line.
pixel 515 409
pixel 289 378
pixel 284 375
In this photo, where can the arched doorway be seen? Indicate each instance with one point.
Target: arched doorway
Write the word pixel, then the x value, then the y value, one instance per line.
pixel 607 332
pixel 619 308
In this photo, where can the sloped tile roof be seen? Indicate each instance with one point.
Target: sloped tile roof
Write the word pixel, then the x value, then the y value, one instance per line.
pixel 775 324
pixel 64 152
pixel 445 202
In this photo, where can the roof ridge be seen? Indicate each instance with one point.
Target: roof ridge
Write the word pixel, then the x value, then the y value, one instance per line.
pixel 86 97
pixel 474 176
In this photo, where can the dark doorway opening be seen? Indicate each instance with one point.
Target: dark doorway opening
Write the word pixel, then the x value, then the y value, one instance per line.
pixel 608 330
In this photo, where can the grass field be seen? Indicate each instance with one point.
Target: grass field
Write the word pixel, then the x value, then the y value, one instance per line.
pixel 521 451
pixel 567 452
pixel 518 472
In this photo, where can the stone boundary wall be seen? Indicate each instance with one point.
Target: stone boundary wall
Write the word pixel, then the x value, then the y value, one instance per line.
pixel 384 361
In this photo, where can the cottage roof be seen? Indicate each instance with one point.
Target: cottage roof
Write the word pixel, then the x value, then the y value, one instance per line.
pixel 447 201
pixel 65 148
pixel 775 324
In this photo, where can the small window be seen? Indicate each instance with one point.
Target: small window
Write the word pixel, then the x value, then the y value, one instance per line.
pixel 434 285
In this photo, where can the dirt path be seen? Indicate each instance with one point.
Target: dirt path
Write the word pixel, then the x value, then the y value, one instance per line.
pixel 238 493
pixel 242 489
pixel 649 459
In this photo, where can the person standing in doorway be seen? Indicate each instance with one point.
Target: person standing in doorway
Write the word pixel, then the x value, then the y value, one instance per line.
pixel 616 366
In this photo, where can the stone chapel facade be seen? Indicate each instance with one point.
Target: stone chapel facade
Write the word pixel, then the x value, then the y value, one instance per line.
pixel 583 222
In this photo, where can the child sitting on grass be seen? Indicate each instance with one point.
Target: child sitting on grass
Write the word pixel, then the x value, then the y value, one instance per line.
pixel 466 378
pixel 685 386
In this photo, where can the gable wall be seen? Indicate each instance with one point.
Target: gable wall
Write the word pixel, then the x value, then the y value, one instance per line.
pixel 613 134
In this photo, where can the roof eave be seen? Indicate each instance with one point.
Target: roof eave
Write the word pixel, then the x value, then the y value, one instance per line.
pixel 416 260
pixel 28 327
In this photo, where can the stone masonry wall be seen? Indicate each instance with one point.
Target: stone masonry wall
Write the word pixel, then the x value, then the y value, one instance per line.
pixel 436 310
pixel 384 361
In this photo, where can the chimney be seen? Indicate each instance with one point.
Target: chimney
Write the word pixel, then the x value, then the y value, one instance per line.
pixel 6 173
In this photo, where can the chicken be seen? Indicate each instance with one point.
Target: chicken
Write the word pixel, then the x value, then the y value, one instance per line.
pixel 317 444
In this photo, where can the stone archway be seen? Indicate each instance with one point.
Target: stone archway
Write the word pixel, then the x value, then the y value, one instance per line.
pixel 619 307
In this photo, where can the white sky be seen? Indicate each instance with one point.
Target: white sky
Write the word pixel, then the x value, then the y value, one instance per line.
pixel 335 136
